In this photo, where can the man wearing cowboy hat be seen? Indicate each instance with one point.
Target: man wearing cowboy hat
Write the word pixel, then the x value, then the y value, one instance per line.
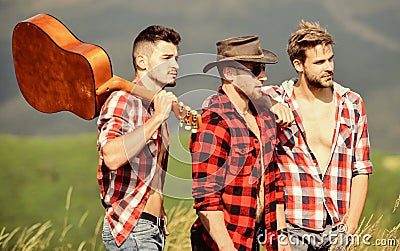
pixel 235 184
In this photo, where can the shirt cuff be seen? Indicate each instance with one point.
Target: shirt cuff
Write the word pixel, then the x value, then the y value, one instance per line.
pixel 362 167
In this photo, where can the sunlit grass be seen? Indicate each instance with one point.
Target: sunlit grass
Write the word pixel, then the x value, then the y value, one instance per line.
pixel 41 213
pixel 372 235
pixel 42 236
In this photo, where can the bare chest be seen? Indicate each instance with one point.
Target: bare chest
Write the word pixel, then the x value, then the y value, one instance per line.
pixel 319 124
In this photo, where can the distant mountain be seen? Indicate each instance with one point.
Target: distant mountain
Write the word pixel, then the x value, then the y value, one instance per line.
pixel 366 53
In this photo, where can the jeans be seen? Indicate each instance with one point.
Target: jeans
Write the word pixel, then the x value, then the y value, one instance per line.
pixel 146 236
pixel 306 240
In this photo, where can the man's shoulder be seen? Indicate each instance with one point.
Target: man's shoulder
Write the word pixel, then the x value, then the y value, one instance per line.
pixel 123 94
pixel 350 95
pixel 354 97
pixel 210 116
pixel 119 102
pixel 212 105
pixel 211 101
pixel 118 97
pixel 280 90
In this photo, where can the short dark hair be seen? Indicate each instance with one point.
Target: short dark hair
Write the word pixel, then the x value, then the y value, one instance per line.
pixel 149 36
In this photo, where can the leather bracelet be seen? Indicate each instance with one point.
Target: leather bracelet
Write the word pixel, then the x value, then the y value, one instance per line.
pixel 283 231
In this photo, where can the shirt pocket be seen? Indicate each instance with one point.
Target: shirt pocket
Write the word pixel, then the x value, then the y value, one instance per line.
pixel 242 160
pixel 345 135
pixel 288 137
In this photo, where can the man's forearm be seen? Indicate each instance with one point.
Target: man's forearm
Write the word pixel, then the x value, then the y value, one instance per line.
pixel 214 223
pixel 358 195
pixel 118 151
pixel 280 216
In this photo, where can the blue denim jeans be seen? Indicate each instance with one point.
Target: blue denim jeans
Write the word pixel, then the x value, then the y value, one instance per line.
pixel 306 240
pixel 146 236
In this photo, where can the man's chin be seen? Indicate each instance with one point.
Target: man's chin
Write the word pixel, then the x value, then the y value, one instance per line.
pixel 257 94
pixel 328 84
pixel 171 84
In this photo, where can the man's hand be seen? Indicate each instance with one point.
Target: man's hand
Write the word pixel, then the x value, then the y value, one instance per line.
pixel 350 225
pixel 284 116
pixel 283 243
pixel 283 239
pixel 164 217
pixel 163 104
pixel 358 195
pixel 214 223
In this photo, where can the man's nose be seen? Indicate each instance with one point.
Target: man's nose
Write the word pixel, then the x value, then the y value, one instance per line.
pixel 329 66
pixel 174 63
pixel 262 76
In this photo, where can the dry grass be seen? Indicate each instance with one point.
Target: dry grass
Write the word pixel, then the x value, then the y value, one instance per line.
pixel 40 236
pixel 181 219
pixel 371 235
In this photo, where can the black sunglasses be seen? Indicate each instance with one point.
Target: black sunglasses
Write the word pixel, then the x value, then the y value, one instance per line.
pixel 256 70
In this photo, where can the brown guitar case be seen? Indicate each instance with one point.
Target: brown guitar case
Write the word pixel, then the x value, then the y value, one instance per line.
pixel 58 72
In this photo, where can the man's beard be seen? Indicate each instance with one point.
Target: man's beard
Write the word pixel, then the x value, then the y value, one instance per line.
pixel 252 96
pixel 162 82
pixel 317 83
pixel 171 84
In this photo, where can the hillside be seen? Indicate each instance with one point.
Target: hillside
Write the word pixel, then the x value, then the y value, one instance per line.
pixel 37 174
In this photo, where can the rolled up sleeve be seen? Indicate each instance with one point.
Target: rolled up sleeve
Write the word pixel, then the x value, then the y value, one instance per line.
pixel 115 118
pixel 279 184
pixel 362 163
pixel 209 148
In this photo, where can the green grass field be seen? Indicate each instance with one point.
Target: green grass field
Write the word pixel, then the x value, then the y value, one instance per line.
pixel 52 181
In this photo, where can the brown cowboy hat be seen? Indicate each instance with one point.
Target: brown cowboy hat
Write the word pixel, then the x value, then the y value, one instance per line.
pixel 245 48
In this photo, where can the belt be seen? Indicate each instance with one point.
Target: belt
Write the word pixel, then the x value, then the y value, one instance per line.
pixel 328 220
pixel 157 221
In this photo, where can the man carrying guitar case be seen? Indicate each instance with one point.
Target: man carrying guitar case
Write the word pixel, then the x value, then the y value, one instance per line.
pixel 133 142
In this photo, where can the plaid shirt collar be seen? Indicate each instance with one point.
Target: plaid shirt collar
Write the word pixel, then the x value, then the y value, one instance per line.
pixel 225 105
pixel 339 93
pixel 288 87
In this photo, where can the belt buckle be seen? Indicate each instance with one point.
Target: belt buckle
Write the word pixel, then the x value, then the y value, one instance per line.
pixel 342 228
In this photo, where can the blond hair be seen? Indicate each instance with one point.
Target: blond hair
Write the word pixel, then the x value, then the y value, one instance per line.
pixel 306 36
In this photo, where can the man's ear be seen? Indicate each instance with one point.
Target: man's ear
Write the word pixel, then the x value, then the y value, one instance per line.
pixel 298 65
pixel 141 62
pixel 227 73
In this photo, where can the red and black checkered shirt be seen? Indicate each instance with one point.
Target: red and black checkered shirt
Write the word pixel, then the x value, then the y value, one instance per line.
pixel 310 194
pixel 226 170
pixel 124 192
